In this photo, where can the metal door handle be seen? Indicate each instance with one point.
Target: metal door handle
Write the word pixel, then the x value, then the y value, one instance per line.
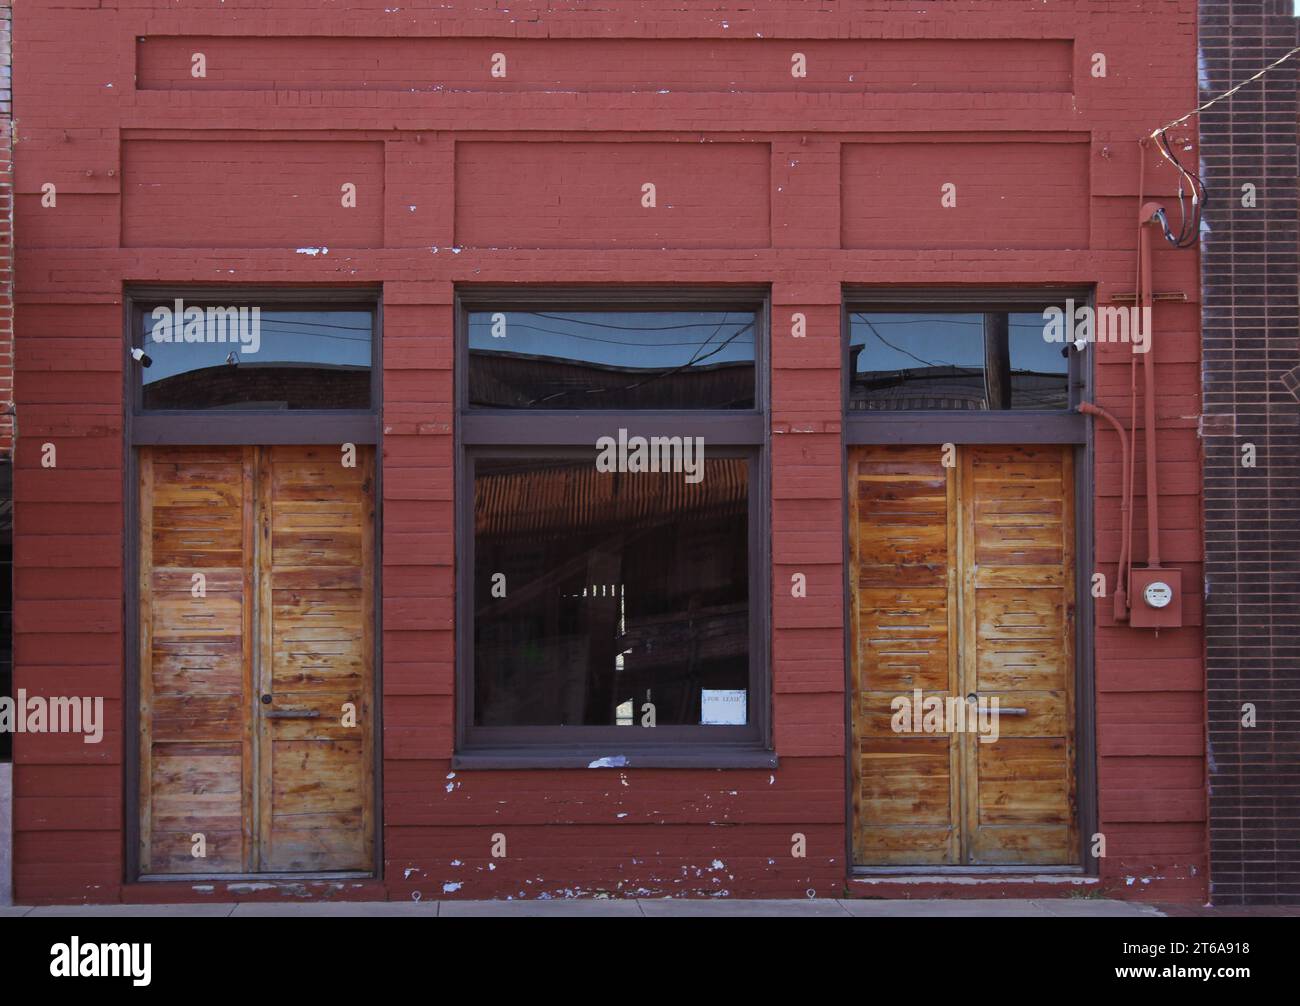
pixel 1008 711
pixel 293 714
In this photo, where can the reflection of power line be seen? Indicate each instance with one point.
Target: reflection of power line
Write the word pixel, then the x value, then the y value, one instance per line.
pixel 945 319
pixel 299 320
pixel 320 335
pixel 695 358
pixel 629 328
pixel 899 349
pixel 275 321
pixel 610 342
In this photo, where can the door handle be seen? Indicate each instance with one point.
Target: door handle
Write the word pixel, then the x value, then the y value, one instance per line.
pixel 293 714
pixel 1002 711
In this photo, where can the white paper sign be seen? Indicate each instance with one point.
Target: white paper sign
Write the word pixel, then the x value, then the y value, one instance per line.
pixel 723 707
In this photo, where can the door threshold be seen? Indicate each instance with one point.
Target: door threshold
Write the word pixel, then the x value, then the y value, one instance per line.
pixel 967 878
pixel 250 878
pixel 965 871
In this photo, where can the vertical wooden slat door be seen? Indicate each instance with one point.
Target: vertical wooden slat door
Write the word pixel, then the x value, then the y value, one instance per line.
pixel 316 555
pixel 196 753
pixel 256 693
pixel 1018 602
pixel 962 583
pixel 902 539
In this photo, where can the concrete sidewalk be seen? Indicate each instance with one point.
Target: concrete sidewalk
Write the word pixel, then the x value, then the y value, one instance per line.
pixel 606 908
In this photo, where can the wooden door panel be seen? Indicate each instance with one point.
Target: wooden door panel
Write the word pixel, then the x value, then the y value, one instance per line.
pixel 316 738
pixel 1019 649
pixel 962 582
pixel 903 634
pixel 196 736
pixel 906 797
pixel 283 539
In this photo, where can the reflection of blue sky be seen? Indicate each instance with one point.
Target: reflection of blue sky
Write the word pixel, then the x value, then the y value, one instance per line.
pixel 333 338
pixel 633 339
pixel 909 341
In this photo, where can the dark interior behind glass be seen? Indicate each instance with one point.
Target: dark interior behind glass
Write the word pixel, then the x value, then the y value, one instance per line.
pixel 620 589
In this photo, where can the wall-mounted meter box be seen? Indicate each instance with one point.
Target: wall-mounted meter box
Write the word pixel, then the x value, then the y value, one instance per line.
pixel 1156 598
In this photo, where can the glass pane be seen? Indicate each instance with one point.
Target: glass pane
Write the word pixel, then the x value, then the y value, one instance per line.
pixel 600 594
pixel 220 357
pixel 950 360
pixel 612 359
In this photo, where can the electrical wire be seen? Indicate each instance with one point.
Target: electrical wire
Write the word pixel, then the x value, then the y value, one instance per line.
pixel 1226 94
pixel 1189 226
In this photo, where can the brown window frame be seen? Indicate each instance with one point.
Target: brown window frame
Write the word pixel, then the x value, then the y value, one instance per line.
pixel 1014 426
pixel 927 426
pixel 520 432
pixel 248 426
pixel 218 427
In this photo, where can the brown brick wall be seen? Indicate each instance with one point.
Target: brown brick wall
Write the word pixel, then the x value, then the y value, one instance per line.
pixel 1252 515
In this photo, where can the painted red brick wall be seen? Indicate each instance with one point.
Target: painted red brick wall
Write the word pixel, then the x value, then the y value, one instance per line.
pixel 803 184
pixel 6 236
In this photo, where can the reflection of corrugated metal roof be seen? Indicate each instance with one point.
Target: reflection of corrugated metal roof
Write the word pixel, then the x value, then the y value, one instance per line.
pixel 950 388
pixel 529 499
pixel 518 380
pixel 264 385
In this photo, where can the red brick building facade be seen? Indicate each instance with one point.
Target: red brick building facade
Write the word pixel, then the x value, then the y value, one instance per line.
pixel 814 159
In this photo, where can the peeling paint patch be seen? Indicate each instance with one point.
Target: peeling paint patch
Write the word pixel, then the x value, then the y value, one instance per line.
pixel 451 888
pixel 609 761
pixel 312 251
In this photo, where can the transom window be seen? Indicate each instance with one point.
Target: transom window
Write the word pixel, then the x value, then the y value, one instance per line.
pixel 213 352
pixel 908 360
pixel 612 359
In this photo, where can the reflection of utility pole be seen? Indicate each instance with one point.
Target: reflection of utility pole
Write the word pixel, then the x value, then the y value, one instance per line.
pixel 602 614
pixel 997 359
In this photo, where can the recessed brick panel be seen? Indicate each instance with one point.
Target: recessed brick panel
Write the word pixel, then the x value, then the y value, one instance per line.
pixel 251 194
pixel 1007 195
pixel 589 195
pixel 605 64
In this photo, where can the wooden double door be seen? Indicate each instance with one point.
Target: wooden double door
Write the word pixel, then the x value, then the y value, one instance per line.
pixel 256 660
pixel 962 591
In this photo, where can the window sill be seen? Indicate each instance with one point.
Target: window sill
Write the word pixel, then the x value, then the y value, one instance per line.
pixel 613 757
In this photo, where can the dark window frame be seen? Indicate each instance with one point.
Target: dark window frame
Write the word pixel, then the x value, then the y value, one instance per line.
pixel 482 432
pixel 215 427
pixel 246 426
pixel 1019 426
pixel 928 426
